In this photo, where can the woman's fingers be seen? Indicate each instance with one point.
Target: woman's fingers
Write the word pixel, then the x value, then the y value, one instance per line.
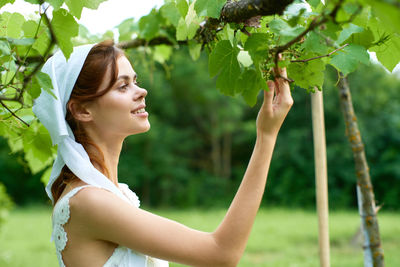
pixel 283 88
pixel 269 95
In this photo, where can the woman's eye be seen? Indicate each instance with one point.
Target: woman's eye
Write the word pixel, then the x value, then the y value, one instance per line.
pixel 124 86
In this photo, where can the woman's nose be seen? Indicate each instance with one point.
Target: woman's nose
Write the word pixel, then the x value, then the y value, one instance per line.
pixel 141 93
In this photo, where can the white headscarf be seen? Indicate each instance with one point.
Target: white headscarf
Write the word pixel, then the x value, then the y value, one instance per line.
pixel 52 113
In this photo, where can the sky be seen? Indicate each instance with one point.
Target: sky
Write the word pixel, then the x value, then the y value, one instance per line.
pixel 111 13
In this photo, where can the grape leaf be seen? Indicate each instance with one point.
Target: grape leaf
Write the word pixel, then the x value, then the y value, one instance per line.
pixel 347 59
pixel 46 176
pixel 183 7
pixel 223 61
pixel 34 88
pixel 210 8
pixel 284 32
pixel 364 38
pixel 194 49
pixel 150 25
pixel 187 27
pixel 388 14
pixel 76 6
pixel 4 2
pixel 348 31
pixel 249 85
pixel 388 53
pixel 257 46
pixel 315 44
pixel 171 12
pixel 43 39
pixel 10 25
pixel 309 74
pixel 245 59
pixel 162 53
pixel 65 27
pixel 125 30
pixel 56 3
pixel 37 147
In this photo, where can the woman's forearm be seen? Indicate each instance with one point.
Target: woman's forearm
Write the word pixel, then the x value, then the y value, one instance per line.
pixel 233 232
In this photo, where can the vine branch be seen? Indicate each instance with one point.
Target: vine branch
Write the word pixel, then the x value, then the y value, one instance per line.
pixel 327 55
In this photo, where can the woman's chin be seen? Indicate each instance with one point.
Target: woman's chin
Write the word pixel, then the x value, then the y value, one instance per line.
pixel 142 129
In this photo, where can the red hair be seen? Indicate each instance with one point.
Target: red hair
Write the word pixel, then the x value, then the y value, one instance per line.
pixel 102 56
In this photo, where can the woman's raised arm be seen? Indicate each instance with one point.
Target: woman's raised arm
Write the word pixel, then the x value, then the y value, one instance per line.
pixel 102 215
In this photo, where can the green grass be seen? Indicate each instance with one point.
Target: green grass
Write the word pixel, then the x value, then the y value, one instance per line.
pixel 280 237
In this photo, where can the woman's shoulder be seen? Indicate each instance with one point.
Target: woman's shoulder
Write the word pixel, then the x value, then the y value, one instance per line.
pixel 90 197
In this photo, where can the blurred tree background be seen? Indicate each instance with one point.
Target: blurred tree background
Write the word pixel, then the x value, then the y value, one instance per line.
pixel 200 142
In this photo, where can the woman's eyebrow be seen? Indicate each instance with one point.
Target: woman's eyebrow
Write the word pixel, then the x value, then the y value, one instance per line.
pixel 126 77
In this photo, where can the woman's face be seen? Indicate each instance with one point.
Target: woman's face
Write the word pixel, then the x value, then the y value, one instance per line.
pixel 116 111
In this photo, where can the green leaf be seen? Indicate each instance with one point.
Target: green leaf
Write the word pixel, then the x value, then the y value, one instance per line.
pixel 171 12
pixel 314 3
pixel 387 13
pixel 249 85
pixel 194 49
pixel 245 59
pixel 10 25
pixel 347 59
pixel 331 30
pixel 284 32
pixel 23 41
pixel 4 2
pixel 149 25
pixel 388 53
pixel 365 38
pixel 45 83
pixel 223 61
pixel 125 30
pixel 56 3
pixel 46 176
pixel 309 74
pixel 162 53
pixel 35 2
pixel 183 7
pixel 258 45
pixel 187 27
pixel 347 31
pixel 34 89
pixel 43 38
pixel 37 147
pixel 314 43
pixel 65 27
pixel 210 8
pixel 76 6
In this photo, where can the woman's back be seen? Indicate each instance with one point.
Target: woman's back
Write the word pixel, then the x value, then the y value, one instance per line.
pixel 74 244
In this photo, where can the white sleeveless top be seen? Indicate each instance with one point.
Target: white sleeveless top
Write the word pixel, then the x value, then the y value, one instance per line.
pixel 122 256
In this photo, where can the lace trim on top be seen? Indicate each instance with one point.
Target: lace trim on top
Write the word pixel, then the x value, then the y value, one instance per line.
pixel 61 216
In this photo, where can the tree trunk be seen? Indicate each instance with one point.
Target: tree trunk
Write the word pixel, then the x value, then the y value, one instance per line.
pixel 373 252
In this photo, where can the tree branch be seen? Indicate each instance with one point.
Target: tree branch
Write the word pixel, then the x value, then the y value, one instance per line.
pixel 327 55
pixel 13 114
pixel 245 9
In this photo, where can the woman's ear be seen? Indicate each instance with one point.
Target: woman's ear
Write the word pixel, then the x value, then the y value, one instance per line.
pixel 79 111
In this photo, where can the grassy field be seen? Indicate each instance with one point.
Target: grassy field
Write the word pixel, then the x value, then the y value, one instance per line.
pixel 280 237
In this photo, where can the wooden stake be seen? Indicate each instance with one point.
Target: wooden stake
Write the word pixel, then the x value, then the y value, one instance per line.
pixel 321 176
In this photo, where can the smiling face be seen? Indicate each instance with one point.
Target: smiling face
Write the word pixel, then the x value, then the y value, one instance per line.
pixel 120 111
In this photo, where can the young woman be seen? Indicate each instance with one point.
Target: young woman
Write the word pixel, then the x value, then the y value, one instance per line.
pixel 96 219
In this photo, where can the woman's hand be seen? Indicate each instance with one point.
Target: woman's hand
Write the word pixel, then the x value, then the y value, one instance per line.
pixel 274 109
